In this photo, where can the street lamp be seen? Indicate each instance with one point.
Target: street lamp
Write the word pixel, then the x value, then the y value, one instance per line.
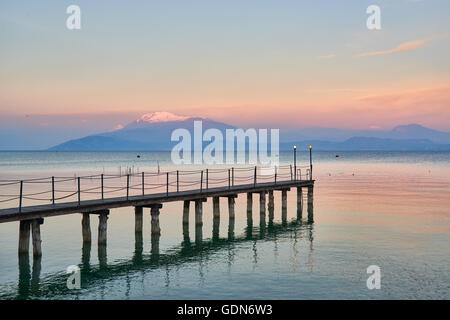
pixel 295 162
pixel 310 163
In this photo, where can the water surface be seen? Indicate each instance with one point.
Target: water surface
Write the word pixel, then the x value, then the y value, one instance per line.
pixel 390 209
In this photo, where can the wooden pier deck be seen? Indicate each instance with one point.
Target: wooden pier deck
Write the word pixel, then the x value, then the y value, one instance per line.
pixel 92 206
pixel 32 216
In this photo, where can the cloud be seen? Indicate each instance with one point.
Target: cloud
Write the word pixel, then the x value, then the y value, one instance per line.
pixel 330 56
pixel 407 46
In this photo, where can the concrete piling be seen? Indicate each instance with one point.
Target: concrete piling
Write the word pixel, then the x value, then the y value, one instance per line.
pixel 186 212
pixel 231 203
pixel 86 227
pixel 271 207
pixel 299 203
pixel 216 218
pixel 138 219
pixel 216 207
pixel 198 213
pixel 24 236
pixel 154 212
pixel 249 207
pixel 310 204
pixel 36 235
pixel 262 208
pixel 284 205
pixel 102 227
pixel 231 224
pixel 199 220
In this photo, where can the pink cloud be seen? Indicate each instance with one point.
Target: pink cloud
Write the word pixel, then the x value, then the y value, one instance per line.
pixel 407 46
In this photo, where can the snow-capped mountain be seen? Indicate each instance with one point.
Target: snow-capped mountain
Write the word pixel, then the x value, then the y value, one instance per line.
pixel 156 118
pixel 160 116
pixel 151 131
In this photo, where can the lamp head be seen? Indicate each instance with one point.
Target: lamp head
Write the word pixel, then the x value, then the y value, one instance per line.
pixel 295 147
pixel 310 147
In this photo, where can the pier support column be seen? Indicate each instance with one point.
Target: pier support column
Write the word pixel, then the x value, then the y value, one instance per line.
pixel 216 218
pixel 155 230
pixel 102 256
pixel 231 202
pixel 24 236
pixel 36 274
pixel 102 227
pixel 154 251
pixel 24 274
pixel 299 203
pixel 86 227
pixel 138 247
pixel 86 255
pixel 284 205
pixel 231 220
pixel 311 204
pixel 231 224
pixel 249 208
pixel 271 202
pixel 216 207
pixel 138 219
pixel 36 235
pixel 198 212
pixel 154 212
pixel 199 220
pixel 186 221
pixel 262 208
pixel 271 206
pixel 216 228
pixel 186 212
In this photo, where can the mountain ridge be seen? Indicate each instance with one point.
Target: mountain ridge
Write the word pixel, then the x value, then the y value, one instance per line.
pixel 152 132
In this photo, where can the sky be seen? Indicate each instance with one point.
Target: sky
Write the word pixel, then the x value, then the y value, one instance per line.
pixel 250 63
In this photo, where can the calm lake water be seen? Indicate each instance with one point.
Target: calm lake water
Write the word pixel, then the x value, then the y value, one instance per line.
pixel 390 209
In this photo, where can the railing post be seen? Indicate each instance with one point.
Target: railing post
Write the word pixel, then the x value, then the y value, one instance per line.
pixel 128 184
pixel 229 179
pixel 232 177
pixel 276 171
pixel 53 190
pixel 20 197
pixel 143 184
pixel 178 182
pixel 79 191
pixel 201 181
pixel 167 183
pixel 254 178
pixel 101 178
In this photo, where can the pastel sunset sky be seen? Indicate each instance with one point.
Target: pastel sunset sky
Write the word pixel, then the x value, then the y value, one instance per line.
pixel 247 62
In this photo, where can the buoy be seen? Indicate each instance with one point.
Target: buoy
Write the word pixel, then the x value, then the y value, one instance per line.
pixel 337 156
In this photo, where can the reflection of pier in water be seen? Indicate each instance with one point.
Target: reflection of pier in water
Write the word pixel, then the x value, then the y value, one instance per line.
pixel 199 250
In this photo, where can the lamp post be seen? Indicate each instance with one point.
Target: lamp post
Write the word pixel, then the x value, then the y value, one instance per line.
pixel 310 163
pixel 295 162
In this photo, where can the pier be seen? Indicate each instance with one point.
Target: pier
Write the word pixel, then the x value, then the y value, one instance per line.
pixel 93 196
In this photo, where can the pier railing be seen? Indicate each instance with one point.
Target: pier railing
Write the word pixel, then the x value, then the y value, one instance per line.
pixel 53 190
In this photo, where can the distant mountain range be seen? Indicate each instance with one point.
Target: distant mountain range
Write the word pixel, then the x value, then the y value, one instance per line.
pixel 152 132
